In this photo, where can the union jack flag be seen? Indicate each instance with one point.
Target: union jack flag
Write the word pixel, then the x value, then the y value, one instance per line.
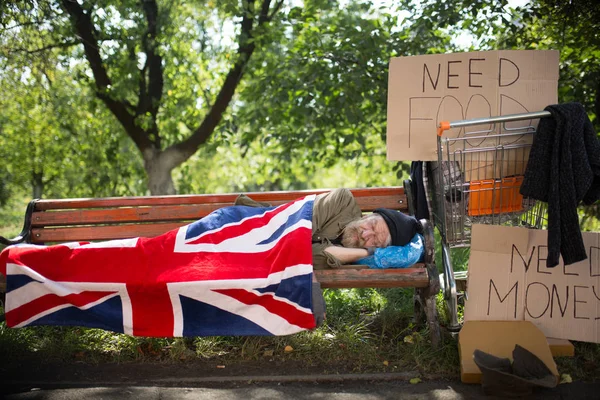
pixel 238 271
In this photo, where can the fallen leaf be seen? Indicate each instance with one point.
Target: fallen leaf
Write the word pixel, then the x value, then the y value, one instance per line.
pixel 220 366
pixel 414 381
pixel 386 363
pixel 288 349
pixel 408 339
pixel 268 353
pixel 566 378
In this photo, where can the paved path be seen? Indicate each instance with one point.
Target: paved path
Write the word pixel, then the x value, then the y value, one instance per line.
pixel 303 390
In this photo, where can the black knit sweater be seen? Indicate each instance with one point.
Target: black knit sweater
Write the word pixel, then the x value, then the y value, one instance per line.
pixel 563 170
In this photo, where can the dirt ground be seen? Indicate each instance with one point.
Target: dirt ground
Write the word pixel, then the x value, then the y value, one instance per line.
pixel 147 372
pixel 21 376
pixel 249 380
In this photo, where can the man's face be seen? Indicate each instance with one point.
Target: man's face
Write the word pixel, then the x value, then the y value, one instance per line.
pixel 370 231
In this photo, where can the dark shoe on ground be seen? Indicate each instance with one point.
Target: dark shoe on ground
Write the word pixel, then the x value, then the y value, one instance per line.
pixel 500 378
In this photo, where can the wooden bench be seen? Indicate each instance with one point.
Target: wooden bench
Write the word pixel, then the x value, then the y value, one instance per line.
pixel 67 220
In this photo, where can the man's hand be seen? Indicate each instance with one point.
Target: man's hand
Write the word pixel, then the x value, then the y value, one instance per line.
pixel 347 255
pixel 318 303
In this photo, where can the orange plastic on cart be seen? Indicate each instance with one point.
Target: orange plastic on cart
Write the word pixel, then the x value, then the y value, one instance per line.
pixel 444 126
pixel 489 197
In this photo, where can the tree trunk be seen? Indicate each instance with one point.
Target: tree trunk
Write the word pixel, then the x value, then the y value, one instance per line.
pixel 158 167
pixel 37 183
pixel 159 164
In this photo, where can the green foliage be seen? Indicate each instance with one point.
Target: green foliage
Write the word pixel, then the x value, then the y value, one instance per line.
pixel 227 169
pixel 160 68
pixel 4 186
pixel 61 159
pixel 56 140
pixel 12 215
pixel 571 27
pixel 327 85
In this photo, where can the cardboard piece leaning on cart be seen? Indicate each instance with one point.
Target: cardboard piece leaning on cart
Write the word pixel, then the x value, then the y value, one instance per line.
pixel 508 280
pixel 424 90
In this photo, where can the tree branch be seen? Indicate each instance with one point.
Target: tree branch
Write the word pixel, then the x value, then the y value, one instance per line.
pixel 246 46
pixel 85 30
pixel 276 9
pixel 41 49
pixel 142 92
pixel 206 94
pixel 155 83
pixel 24 24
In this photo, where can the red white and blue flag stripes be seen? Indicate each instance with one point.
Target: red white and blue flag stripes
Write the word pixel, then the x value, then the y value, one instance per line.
pixel 238 271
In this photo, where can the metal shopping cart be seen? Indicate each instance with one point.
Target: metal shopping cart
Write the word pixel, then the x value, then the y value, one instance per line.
pixel 477 179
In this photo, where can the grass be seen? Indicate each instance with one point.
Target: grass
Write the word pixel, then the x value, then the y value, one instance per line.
pixel 367 330
pixel 585 365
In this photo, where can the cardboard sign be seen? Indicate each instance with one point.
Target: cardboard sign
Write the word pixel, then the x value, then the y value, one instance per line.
pixel 508 280
pixel 424 90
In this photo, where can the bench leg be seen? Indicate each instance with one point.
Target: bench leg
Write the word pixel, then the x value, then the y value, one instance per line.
pixel 425 304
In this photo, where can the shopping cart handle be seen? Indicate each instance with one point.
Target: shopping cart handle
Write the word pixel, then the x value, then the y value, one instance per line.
pixel 444 126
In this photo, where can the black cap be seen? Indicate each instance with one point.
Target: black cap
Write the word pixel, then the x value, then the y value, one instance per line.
pixel 402 227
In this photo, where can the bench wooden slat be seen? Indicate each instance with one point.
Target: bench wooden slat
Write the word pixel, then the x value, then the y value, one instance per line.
pixel 62 204
pixel 415 276
pixel 124 215
pixel 374 278
pixel 394 202
pixel 164 213
pixel 109 232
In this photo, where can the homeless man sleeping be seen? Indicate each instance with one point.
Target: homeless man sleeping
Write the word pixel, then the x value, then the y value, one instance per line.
pixel 241 270
pixel 341 235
